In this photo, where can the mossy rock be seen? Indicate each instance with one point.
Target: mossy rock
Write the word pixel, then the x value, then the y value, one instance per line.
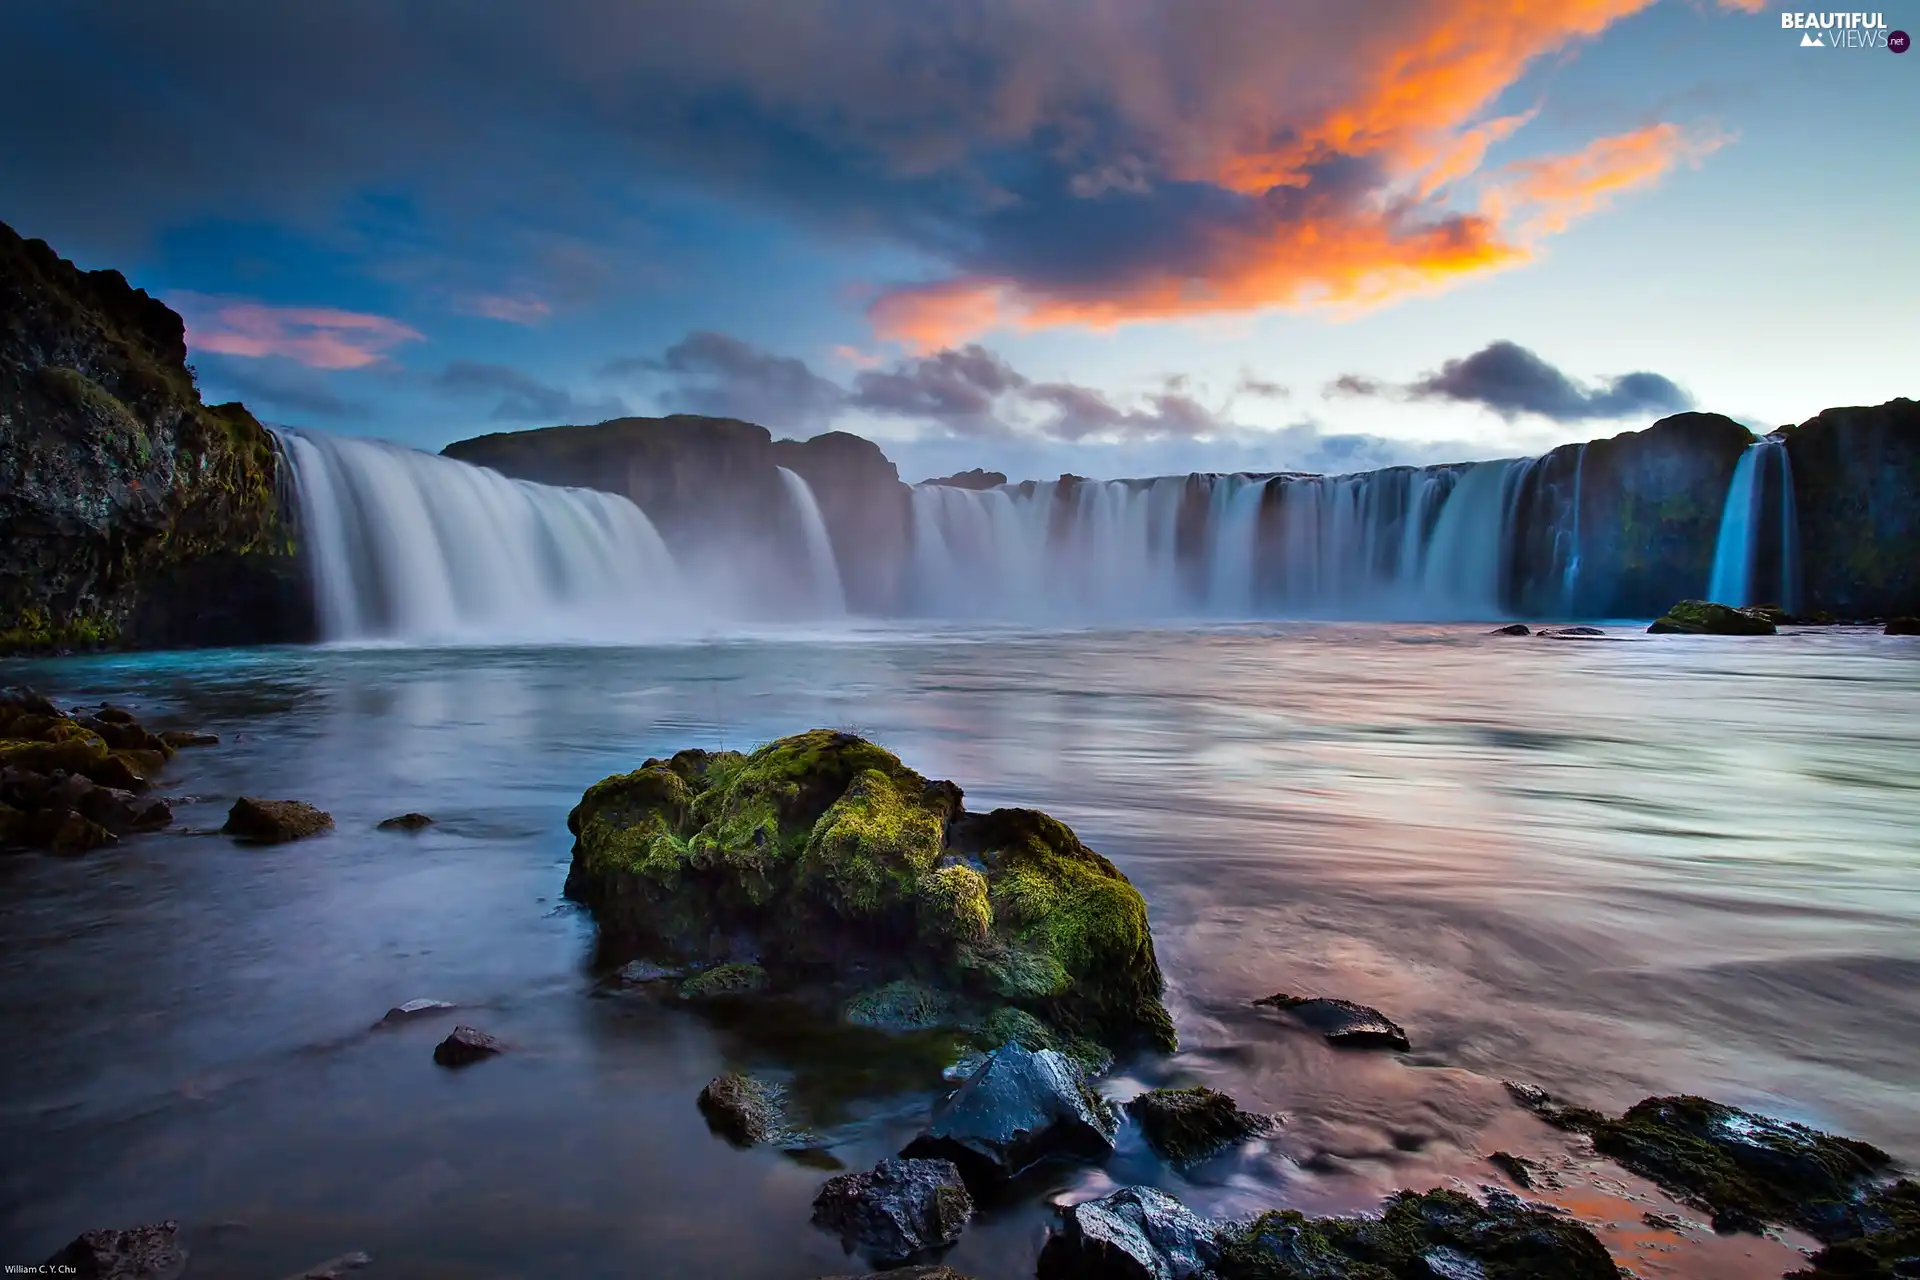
pixel 846 869
pixel 1705 618
pixel 1185 1126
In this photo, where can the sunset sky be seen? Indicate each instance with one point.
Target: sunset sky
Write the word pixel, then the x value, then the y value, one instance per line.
pixel 1114 237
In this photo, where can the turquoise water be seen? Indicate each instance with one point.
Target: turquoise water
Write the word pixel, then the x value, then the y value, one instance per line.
pixel 1662 864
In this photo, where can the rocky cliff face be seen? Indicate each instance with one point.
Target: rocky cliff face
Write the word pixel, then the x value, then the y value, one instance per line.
pixel 712 487
pixel 1856 479
pixel 131 514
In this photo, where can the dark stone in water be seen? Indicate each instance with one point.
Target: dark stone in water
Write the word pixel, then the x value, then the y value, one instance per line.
pixel 1342 1022
pixel 638 973
pixel 1136 1233
pixel 411 1010
pixel 1903 627
pixel 275 821
pixel 465 1046
pixel 744 1110
pixel 896 1210
pixel 335 1268
pixel 177 738
pixel 1514 1167
pixel 151 1252
pixel 1020 1108
pixel 1188 1125
pixel 1705 618
pixel 1512 629
pixel 906 1273
pixel 406 822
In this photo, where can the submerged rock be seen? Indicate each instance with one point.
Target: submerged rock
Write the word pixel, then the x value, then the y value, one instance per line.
pixel 1342 1022
pixel 1517 1168
pixel 640 973
pixel 1018 1109
pixel 464 1046
pixel 1188 1125
pixel 897 1210
pixel 1136 1233
pixel 405 822
pixel 906 1273
pixel 743 1109
pixel 151 1252
pixel 826 858
pixel 725 981
pixel 1441 1235
pixel 1746 1170
pixel 177 738
pixel 1705 618
pixel 335 1268
pixel 275 821
pixel 412 1010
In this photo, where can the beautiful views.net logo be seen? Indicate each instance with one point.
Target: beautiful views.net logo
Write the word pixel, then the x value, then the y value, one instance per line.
pixel 1844 31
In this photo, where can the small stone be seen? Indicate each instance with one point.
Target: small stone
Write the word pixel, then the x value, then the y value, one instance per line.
pixel 1514 1167
pixel 1135 1233
pixel 150 1252
pixel 413 1009
pixel 896 1210
pixel 406 822
pixel 1019 1109
pixel 1187 1125
pixel 177 738
pixel 1342 1022
pixel 1512 629
pixel 465 1046
pixel 639 973
pixel 725 981
pixel 115 715
pixel 743 1109
pixel 275 821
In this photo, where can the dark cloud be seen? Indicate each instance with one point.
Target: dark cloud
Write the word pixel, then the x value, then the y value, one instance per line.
pixel 1252 385
pixel 720 375
pixel 273 388
pixel 1511 380
pixel 521 397
pixel 959 389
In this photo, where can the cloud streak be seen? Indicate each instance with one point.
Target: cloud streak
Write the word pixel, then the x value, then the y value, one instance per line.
pixel 1512 381
pixel 318 337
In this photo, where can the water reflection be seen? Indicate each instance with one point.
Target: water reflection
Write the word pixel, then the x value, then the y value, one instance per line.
pixel 1614 869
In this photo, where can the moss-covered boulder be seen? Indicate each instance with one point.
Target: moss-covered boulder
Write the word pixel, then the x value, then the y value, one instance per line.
pixel 131 513
pixel 1185 1126
pixel 1705 618
pixel 836 866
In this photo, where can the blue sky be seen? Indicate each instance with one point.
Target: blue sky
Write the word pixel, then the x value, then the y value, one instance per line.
pixel 1036 236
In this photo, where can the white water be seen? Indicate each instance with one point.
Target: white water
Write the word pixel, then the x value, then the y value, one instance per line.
pixel 1403 543
pixel 823 571
pixel 1736 549
pixel 411 546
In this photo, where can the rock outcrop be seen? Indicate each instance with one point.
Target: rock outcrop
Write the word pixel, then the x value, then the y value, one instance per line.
pixel 820 863
pixel 70 784
pixel 1705 618
pixel 1343 1023
pixel 131 513
pixel 150 1252
pixel 275 821
pixel 1856 481
pixel 1018 1109
pixel 896 1211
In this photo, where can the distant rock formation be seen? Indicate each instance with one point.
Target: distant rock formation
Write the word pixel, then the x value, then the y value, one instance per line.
pixel 974 479
pixel 131 513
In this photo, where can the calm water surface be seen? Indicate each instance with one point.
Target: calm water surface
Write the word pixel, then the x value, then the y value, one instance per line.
pixel 1664 864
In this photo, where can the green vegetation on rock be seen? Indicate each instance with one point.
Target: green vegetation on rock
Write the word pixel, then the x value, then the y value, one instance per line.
pixel 1705 618
pixel 843 866
pixel 1188 1125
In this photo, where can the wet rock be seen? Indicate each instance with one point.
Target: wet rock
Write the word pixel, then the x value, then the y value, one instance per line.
pixel 20 699
pixel 335 1268
pixel 122 812
pixel 275 821
pixel 1746 1170
pixel 1572 633
pixel 1188 1125
pixel 837 868
pixel 406 822
pixel 1020 1108
pixel 1888 1218
pixel 1342 1022
pixel 151 1252
pixel 640 973
pixel 178 738
pixel 1705 618
pixel 413 1009
pixel 1512 629
pixel 906 1273
pixel 1903 627
pixel 111 714
pixel 1443 1235
pixel 725 981
pixel 465 1046
pixel 743 1109
pixel 897 1210
pixel 1136 1233
pixel 64 832
pixel 1515 1167
pixel 117 770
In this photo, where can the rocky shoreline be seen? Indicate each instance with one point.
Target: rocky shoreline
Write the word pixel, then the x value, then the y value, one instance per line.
pixel 821 875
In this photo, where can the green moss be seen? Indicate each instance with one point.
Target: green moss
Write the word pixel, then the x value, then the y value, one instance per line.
pixel 1188 1125
pixel 905 1005
pixel 725 980
pixel 952 902
pixel 872 851
pixel 1705 618
pixel 1890 1220
pixel 34 630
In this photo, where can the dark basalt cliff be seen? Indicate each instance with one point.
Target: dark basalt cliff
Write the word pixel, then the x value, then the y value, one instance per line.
pixel 1856 480
pixel 131 514
pixel 711 484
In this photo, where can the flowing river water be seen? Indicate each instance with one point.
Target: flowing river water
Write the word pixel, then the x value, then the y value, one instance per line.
pixel 1659 865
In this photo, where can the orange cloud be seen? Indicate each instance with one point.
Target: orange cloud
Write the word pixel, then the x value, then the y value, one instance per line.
pixel 1413 109
pixel 319 337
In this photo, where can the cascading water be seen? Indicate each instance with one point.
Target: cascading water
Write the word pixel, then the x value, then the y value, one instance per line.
pixel 1403 543
pixel 1736 551
pixel 405 545
pixel 829 595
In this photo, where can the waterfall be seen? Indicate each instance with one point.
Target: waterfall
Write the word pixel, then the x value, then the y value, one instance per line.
pixel 1424 544
pixel 1736 553
pixel 829 596
pixel 407 545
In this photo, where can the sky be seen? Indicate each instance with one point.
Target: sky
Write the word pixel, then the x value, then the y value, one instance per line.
pixel 1111 237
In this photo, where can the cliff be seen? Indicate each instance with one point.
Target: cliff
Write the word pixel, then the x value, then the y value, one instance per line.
pixel 1856 480
pixel 131 514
